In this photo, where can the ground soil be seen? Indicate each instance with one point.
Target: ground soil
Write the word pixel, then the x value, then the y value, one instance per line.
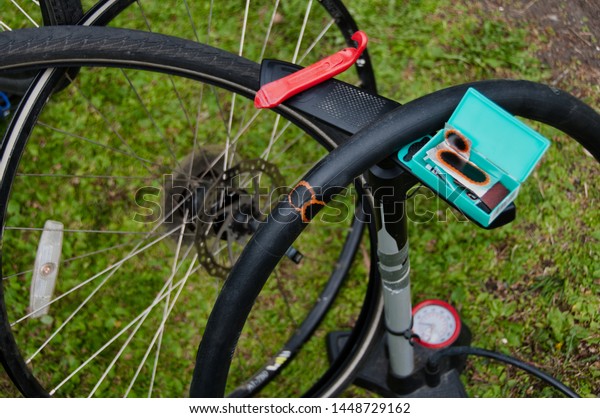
pixel 566 35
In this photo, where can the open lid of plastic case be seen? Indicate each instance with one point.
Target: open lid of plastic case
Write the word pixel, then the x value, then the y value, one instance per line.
pixel 504 140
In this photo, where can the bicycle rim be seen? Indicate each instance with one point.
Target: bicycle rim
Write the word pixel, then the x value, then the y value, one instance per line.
pixel 92 150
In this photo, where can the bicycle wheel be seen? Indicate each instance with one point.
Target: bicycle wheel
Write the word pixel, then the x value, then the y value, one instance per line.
pixel 263 255
pixel 296 31
pixel 137 188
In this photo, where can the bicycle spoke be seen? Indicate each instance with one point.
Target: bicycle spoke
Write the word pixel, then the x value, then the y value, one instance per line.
pixel 274 137
pixel 233 141
pixel 165 310
pixel 140 323
pixel 172 81
pixel 269 29
pixel 159 333
pixel 284 295
pixel 191 20
pixel 144 161
pixel 222 230
pixel 113 339
pixel 110 125
pixel 200 101
pixel 244 26
pixel 302 29
pixel 79 257
pixel 316 41
pixel 71 316
pixel 25 13
pixel 84 176
pixel 151 118
pixel 84 231
pixel 183 281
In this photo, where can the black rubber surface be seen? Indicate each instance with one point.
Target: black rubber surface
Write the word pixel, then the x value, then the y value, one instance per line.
pixel 61 12
pixel 44 47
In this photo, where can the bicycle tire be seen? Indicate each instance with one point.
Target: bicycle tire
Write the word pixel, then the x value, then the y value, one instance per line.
pixel 365 149
pixel 61 47
pixel 61 12
pixel 69 12
pixel 107 10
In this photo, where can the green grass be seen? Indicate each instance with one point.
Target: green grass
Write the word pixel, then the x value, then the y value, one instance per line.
pixel 529 289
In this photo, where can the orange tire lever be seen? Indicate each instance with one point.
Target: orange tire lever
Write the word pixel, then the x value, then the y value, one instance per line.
pixel 274 93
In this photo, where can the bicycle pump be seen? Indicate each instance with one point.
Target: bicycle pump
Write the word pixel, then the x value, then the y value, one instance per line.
pixel 397 366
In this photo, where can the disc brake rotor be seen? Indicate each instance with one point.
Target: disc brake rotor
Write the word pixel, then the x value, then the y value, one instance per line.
pixel 231 210
pixel 220 209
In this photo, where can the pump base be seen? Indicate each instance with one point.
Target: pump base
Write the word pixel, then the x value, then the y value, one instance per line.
pixel 376 377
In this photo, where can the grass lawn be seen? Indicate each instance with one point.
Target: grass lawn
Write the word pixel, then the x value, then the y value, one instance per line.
pixel 530 289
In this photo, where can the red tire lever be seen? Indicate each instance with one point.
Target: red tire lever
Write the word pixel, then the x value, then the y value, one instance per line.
pixel 276 92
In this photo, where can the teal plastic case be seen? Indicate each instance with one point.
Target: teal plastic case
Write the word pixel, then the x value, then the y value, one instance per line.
pixel 503 146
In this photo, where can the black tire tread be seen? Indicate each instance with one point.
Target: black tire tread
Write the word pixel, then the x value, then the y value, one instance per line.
pixel 56 46
pixel 61 12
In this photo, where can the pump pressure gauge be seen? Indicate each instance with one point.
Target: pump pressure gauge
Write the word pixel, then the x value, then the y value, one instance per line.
pixel 436 324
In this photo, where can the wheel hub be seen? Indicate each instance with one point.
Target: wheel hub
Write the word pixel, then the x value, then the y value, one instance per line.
pixel 220 209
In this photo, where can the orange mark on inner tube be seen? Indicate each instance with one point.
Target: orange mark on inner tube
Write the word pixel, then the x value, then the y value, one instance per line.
pixel 313 200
